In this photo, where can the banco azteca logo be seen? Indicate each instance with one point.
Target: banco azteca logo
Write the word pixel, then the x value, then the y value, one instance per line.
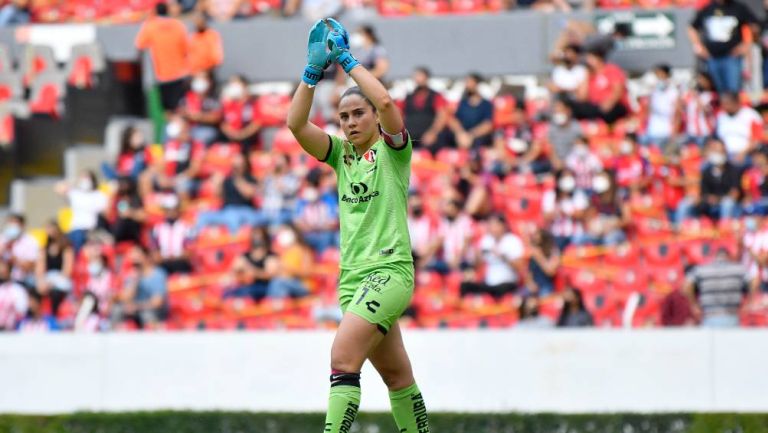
pixel 358 188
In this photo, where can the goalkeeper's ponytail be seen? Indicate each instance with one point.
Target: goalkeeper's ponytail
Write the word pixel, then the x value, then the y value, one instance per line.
pixel 355 90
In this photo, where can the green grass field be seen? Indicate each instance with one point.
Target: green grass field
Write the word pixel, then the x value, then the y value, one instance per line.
pixel 242 422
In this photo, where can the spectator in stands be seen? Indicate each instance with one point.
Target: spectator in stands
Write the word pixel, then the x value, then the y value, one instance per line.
pixel 36 320
pixel 126 214
pixel 313 10
pixel 720 287
pixel 15 12
pixel 19 249
pixel 720 187
pixel 237 192
pixel 501 255
pixel 664 109
pixel 317 215
pixel 253 270
pixel 562 133
pixel 281 187
pixel 240 122
pixel 564 209
pixel 87 204
pixel 226 10
pixel 584 164
pixel 529 316
pixel 471 126
pixel 677 309
pixel 740 127
pixel 474 183
pixel 171 239
pixel 88 318
pixel 424 241
pixel 14 299
pixel 295 266
pixel 206 51
pixel 516 148
pixel 179 169
pixel 543 263
pixel 574 314
pixel 425 112
pixel 607 216
pixel 454 233
pixel 144 296
pixel 100 280
pixel 700 105
pixel 568 73
pixel 717 36
pixel 754 181
pixel 134 156
pixel 54 267
pixel 201 109
pixel 368 49
pixel 629 168
pixel 604 94
pixel 166 40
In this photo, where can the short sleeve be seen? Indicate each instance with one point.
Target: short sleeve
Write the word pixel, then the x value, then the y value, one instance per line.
pixel 513 247
pixel 401 153
pixel 335 152
pixel 487 110
pixel 698 20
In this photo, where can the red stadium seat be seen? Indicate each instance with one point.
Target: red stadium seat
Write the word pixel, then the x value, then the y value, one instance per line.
pixel 394 8
pixel 46 101
pixel 662 253
pixel 504 108
pixel 273 109
pixel 432 7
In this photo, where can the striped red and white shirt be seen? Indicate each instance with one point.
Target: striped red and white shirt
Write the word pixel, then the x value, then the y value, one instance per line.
pixel 13 305
pixel 171 239
pixel 456 236
pixel 103 287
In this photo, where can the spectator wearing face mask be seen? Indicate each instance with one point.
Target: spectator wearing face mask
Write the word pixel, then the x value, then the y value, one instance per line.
pixel 568 73
pixel 700 103
pixel 425 112
pixel 100 281
pixel 454 232
pixel 253 270
pixel 564 209
pixel 630 168
pixel 179 169
pixel 19 249
pixel 133 158
pixel 126 214
pixel 365 44
pixel 755 184
pixel 543 263
pixel 664 109
pixel 607 216
pixel 574 313
pixel 292 276
pixel 583 163
pixel 423 232
pixel 206 51
pixel 281 186
pixel 54 267
pixel 240 122
pixel 144 296
pixel 720 187
pixel 517 149
pixel 87 204
pixel 740 127
pixel 171 239
pixel 472 123
pixel 562 132
pixel 317 215
pixel 36 321
pixel 201 109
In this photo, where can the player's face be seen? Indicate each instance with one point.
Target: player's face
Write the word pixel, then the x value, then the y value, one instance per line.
pixel 357 119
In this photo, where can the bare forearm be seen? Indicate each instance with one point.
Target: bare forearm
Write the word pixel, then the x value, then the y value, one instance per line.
pixel 298 113
pixel 372 88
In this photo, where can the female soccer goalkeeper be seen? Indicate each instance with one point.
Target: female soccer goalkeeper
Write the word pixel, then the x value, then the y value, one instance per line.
pixel 376 281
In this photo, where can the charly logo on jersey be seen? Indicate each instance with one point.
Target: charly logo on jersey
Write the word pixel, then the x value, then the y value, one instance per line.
pixel 359 192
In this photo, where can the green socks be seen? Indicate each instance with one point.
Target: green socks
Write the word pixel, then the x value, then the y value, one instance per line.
pixel 343 402
pixel 409 410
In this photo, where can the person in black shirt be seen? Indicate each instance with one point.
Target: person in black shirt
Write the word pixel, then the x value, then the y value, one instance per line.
pixel 237 192
pixel 253 270
pixel 425 112
pixel 716 36
pixel 720 184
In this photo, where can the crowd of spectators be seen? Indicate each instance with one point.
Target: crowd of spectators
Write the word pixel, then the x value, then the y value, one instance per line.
pixel 593 206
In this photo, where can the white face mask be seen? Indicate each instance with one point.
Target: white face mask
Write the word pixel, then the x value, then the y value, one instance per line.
pixel 626 148
pixel 717 158
pixel 559 118
pixel 566 184
pixel 601 184
pixel 234 91
pixel 356 40
pixel 85 184
pixel 285 238
pixel 95 268
pixel 580 150
pixel 517 145
pixel 173 130
pixel 200 85
pixel 12 232
pixel 311 194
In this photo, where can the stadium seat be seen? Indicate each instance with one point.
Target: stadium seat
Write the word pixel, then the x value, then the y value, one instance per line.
pixel 504 108
pixel 273 109
pixel 47 92
pixel 396 8
pixel 37 60
pixel 432 7
pixel 666 252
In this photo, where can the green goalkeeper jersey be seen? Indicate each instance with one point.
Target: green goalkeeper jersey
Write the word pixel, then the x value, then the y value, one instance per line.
pixel 373 202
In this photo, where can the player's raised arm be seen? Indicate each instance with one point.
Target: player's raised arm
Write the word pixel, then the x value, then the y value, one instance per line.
pixel 311 138
pixel 389 115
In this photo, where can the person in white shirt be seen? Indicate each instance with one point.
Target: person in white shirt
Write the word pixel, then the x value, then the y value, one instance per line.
pixel 568 74
pixel 87 202
pixel 739 127
pixel 19 249
pixel 664 109
pixel 502 253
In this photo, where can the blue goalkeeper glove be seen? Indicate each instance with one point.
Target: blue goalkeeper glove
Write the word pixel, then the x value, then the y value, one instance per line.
pixel 338 44
pixel 318 57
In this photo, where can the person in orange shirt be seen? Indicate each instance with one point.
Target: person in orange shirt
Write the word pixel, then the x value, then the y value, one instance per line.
pixel 166 40
pixel 205 48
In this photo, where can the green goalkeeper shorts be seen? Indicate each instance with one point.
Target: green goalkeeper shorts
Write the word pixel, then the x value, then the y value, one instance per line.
pixel 377 294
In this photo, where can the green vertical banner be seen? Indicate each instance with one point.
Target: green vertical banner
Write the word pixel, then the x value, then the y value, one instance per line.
pixel 156 112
